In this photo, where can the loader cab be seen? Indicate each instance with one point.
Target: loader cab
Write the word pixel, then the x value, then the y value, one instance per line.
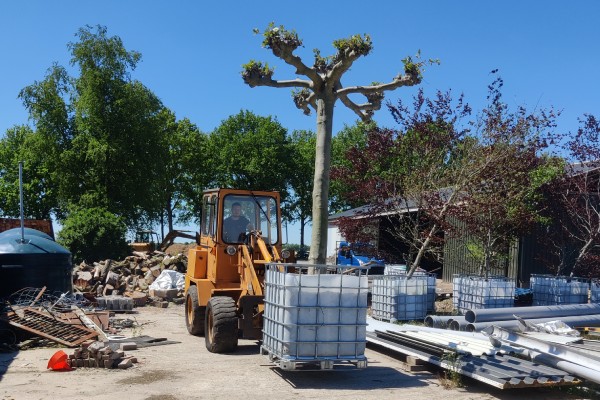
pixel 229 216
pixel 145 240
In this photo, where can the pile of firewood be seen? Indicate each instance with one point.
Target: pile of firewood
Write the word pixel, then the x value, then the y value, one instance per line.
pixel 132 275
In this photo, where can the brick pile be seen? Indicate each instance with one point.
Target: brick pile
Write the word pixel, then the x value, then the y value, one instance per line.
pixel 102 355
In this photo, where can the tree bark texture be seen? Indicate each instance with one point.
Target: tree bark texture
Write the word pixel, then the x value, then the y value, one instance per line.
pixel 318 249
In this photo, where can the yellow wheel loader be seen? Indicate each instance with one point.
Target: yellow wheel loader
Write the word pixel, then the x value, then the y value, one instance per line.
pixel 240 232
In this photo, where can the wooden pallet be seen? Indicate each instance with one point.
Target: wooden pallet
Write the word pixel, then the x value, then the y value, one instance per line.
pixel 46 326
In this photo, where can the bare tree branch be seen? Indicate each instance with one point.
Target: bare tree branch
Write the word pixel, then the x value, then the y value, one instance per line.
pixel 399 81
pixel 305 98
pixel 345 60
pixel 354 107
pixel 253 81
pixel 301 68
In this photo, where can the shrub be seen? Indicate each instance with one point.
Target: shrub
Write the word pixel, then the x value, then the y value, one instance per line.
pixel 94 234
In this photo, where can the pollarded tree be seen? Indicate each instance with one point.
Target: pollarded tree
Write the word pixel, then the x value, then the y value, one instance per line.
pixel 320 91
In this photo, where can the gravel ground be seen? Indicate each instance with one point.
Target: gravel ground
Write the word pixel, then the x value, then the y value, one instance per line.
pixel 186 370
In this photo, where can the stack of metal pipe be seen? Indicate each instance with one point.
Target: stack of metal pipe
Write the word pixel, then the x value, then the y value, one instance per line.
pixel 574 315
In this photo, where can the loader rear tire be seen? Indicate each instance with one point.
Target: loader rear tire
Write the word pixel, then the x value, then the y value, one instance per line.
pixel 221 327
pixel 194 314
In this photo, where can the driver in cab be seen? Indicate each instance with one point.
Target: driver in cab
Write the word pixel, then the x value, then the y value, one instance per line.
pixel 235 225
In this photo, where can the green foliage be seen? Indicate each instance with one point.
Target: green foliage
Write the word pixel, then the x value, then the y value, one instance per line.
pixel 358 44
pixel 99 137
pixel 415 67
pixel 94 234
pixel 256 70
pixel 185 172
pixel 20 143
pixel 451 378
pixel 277 36
pixel 248 151
pixel 302 171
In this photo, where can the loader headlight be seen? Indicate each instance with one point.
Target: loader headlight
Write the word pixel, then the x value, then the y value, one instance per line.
pixel 231 250
pixel 286 254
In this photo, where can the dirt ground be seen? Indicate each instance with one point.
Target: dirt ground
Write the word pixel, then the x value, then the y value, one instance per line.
pixel 186 370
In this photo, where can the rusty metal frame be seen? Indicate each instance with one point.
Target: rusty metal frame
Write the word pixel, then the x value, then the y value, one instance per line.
pixel 46 326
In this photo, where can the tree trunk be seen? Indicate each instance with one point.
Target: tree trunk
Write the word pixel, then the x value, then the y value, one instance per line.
pixel 424 246
pixel 582 252
pixel 318 246
pixel 170 214
pixel 302 224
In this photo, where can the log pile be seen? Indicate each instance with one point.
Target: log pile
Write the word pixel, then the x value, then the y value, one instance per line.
pixel 130 277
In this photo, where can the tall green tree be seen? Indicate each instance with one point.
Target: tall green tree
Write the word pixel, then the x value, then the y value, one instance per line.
pixel 20 143
pixel 248 151
pixel 321 89
pixel 303 169
pixel 111 162
pixel 50 111
pixel 184 170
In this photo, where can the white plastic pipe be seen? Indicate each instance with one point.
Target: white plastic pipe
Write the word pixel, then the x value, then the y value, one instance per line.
pixel 459 324
pixel 438 321
pixel 502 314
pixel 574 321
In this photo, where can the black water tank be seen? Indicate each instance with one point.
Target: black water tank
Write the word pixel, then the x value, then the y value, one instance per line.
pixel 28 231
pixel 36 261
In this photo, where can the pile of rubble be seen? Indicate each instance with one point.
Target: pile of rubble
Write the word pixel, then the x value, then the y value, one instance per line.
pixel 131 277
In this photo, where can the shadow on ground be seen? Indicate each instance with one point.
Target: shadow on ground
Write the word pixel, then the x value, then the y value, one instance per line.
pixel 5 360
pixel 351 378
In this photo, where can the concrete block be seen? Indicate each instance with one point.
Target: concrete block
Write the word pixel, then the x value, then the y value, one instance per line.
pixel 160 304
pixel 167 294
pixel 128 346
pixel 116 355
pixel 124 364
pixel 95 347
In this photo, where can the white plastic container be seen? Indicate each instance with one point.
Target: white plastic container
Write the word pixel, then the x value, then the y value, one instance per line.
pixel 556 290
pixel 474 292
pixel 314 317
pixel 595 291
pixel 396 298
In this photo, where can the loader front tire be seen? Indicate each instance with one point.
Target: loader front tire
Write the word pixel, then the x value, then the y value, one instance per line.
pixel 194 314
pixel 221 326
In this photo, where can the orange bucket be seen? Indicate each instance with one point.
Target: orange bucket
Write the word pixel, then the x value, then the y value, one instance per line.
pixel 58 362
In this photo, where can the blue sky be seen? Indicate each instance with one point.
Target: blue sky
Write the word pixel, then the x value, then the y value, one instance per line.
pixel 547 52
